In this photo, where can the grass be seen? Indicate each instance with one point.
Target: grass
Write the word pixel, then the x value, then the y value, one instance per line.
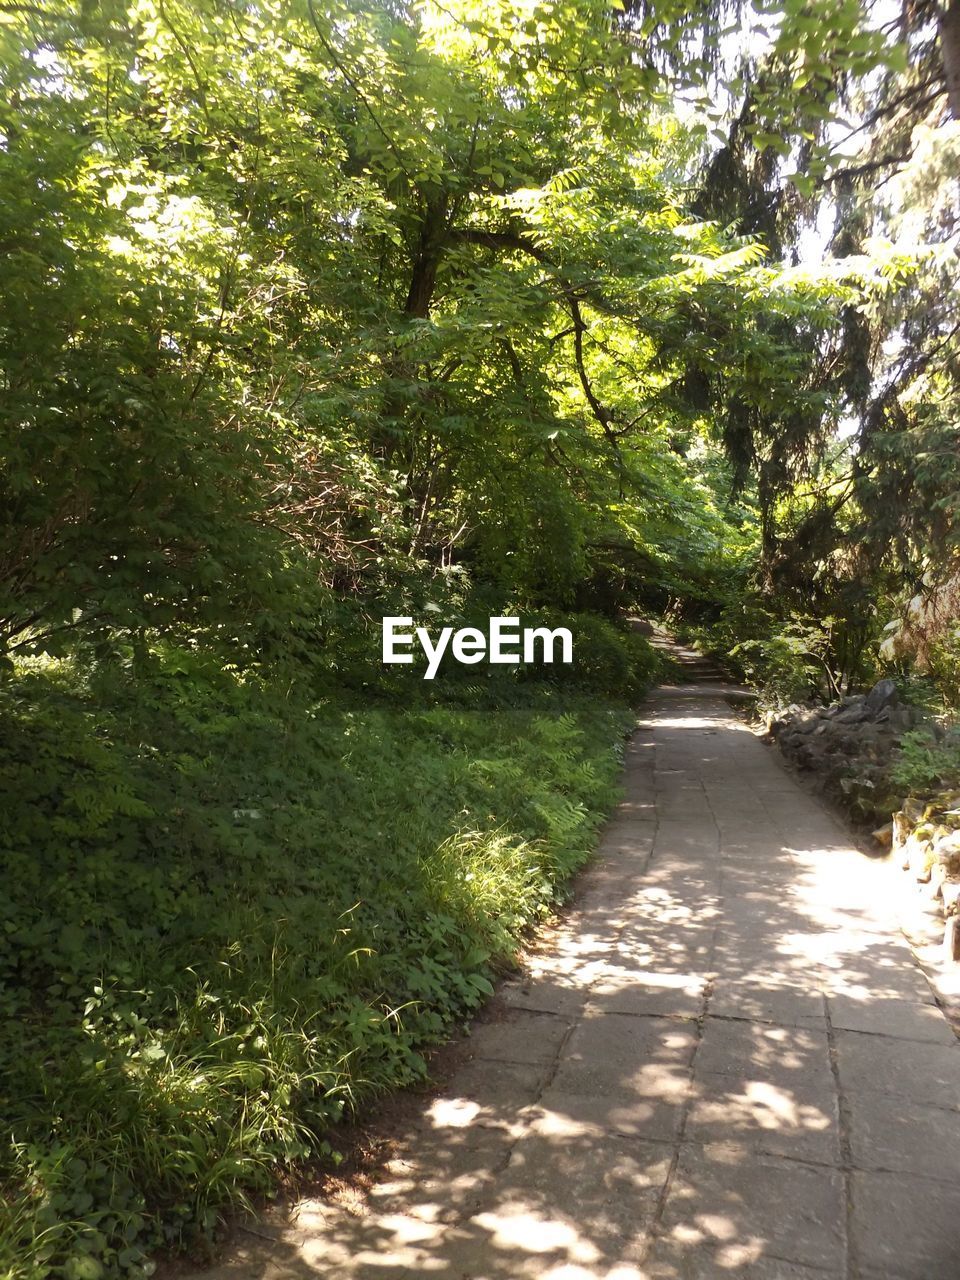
pixel 233 912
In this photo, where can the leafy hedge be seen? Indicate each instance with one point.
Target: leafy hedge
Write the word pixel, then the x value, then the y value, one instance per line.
pixel 232 912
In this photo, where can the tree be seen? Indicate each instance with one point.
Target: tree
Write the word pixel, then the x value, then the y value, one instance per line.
pixel 352 289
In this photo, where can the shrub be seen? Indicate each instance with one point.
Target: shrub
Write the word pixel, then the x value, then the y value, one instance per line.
pixel 607 659
pixel 925 764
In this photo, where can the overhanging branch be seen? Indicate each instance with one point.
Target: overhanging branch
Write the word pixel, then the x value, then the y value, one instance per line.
pixel 520 243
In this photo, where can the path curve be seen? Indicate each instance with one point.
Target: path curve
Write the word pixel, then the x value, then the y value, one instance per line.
pixel 726 1064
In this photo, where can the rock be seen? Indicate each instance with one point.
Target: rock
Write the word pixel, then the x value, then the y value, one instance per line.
pixel 918 857
pixel 902 826
pixel 933 888
pixel 950 895
pixel 856 713
pixel 883 694
pixel 884 835
pixel 951 940
pixel 900 719
pixel 946 851
pixel 948 843
pixel 920 867
pixel 847 746
pixel 913 809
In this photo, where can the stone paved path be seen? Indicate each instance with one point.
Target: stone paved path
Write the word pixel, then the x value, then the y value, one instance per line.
pixel 727 1065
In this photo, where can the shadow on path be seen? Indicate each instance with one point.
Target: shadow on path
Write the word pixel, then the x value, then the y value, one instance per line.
pixel 727 1064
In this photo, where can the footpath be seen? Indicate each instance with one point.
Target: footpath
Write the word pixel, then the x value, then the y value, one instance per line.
pixel 726 1063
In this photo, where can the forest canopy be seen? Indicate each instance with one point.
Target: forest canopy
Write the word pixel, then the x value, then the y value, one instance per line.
pixel 314 313
pixel 313 308
pixel 338 304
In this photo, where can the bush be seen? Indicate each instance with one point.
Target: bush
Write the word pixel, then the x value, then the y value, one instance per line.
pixel 607 659
pixel 787 659
pixel 943 667
pixel 926 764
pixel 784 668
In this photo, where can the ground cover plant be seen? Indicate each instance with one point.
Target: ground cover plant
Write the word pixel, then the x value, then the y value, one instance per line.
pixel 233 912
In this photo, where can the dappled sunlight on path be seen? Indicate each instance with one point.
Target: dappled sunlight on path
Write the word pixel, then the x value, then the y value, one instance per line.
pixel 725 1064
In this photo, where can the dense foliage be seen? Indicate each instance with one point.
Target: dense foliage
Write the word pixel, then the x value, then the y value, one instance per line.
pixel 233 912
pixel 318 312
pixel 326 299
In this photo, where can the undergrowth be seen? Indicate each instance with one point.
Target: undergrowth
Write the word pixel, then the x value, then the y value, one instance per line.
pixel 926 762
pixel 233 913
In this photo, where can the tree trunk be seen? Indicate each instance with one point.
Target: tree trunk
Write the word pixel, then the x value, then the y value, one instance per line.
pixel 423 280
pixel 949 23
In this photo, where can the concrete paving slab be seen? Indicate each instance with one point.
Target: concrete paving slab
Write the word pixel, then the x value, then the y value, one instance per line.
pixel 906 1226
pixel 498 1089
pixel 360 1247
pixel 668 951
pixel 787 1006
pixel 646 994
pixel 786 1056
pixel 869 976
pixel 619 1045
pixel 670 1261
pixel 519 1244
pixel 906 1138
pixel 545 993
pixel 520 1036
pixel 732 1204
pixel 441 1176
pixel 902 1019
pixel 910 1069
pixel 799 1120
pixel 628 839
pixel 654 1111
pixel 607 1190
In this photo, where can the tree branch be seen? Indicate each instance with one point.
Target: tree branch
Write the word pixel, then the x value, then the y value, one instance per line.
pixel 517 241
pixel 335 59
